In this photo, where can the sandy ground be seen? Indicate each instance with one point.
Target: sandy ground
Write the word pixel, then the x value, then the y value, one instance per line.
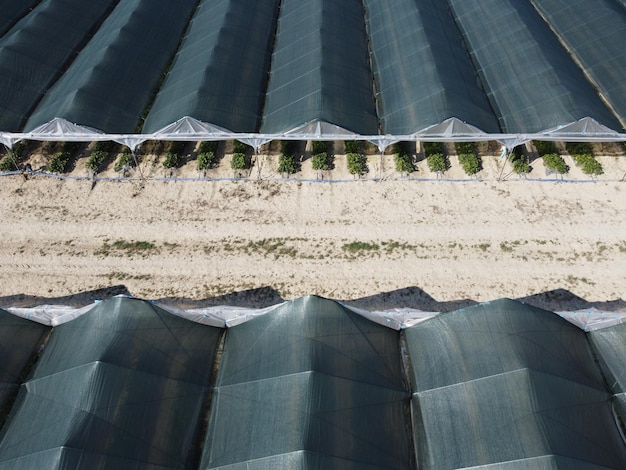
pixel 476 239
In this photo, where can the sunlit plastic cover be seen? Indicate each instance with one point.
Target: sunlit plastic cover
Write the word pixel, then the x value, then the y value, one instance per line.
pixel 19 339
pixel 309 385
pixel 122 387
pixel 610 344
pixel 111 82
pixel 320 68
pixel 423 73
pixel 38 49
pixel 504 383
pixel 530 79
pixel 595 34
pixel 220 72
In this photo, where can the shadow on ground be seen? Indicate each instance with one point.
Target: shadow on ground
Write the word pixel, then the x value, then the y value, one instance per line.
pixel 408 297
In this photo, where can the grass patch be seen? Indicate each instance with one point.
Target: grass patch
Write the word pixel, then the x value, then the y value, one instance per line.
pixel 130 248
pixel 356 247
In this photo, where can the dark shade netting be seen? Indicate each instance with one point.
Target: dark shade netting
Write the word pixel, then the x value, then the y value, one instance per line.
pixel 12 12
pixel 113 79
pixel 309 385
pixel 423 73
pixel 595 34
pixel 508 384
pixel 610 347
pixel 37 50
pixel 122 386
pixel 19 341
pixel 530 79
pixel 320 69
pixel 220 72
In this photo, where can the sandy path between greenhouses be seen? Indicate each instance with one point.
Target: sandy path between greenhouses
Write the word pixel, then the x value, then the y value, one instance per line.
pixel 478 240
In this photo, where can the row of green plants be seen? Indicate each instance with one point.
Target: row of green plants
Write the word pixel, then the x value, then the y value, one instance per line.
pixel 321 157
pixel 581 152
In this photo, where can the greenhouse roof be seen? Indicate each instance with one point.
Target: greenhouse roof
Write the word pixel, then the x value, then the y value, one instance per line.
pixel 266 70
pixel 309 384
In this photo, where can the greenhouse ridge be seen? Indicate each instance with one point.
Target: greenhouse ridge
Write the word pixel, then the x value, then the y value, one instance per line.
pixel 259 70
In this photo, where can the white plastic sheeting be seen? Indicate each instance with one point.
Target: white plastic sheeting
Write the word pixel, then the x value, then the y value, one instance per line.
pixel 395 318
pixel 50 315
pixel 225 316
pixel 190 129
pixel 592 319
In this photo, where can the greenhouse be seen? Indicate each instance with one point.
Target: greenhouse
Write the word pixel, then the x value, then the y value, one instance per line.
pixel 256 71
pixel 311 384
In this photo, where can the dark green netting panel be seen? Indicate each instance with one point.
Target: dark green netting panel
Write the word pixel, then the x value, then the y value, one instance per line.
pixel 422 71
pixel 505 384
pixel 19 340
pixel 113 79
pixel 595 33
pixel 320 69
pixel 13 11
pixel 530 79
pixel 122 386
pixel 220 73
pixel 309 385
pixel 35 52
pixel 610 346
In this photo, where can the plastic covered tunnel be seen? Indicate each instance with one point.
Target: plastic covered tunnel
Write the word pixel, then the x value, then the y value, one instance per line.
pixel 311 384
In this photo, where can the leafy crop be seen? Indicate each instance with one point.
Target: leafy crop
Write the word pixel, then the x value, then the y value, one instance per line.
pixel 357 164
pixel 471 163
pixel 438 163
pixel 554 162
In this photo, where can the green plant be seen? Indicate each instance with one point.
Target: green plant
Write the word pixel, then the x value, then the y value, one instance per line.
pixel 205 161
pixel 208 146
pixel 432 148
pixel 588 164
pixel 579 148
pixel 58 163
pixel 357 164
pixel 403 147
pixel 172 160
pixel 239 161
pixel 544 147
pixel 239 147
pixel 124 161
pixel 471 163
pixel 404 163
pixel 519 161
pixel 286 164
pixel 438 163
pixel 70 147
pixel 554 162
pixel 19 148
pixel 103 146
pixel 355 247
pixel 352 146
pixel 9 162
pixel 289 147
pixel 321 161
pixel 96 159
pixel 521 166
pixel 177 147
pixel 466 148
pixel 319 146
